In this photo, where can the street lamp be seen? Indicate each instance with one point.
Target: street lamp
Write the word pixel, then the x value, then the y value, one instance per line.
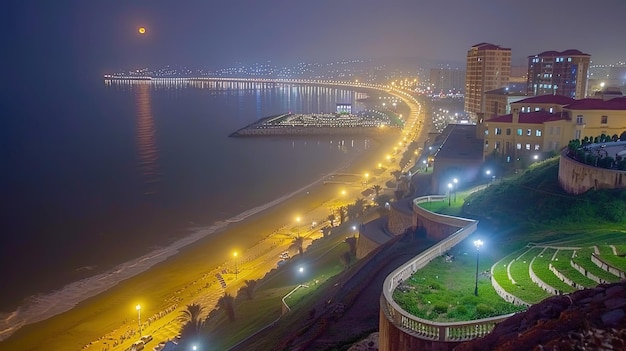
pixel 449 192
pixel 301 270
pixel 478 243
pixel 367 175
pixel 236 270
pixel 456 185
pixel 138 308
pixel 425 165
pixel 194 347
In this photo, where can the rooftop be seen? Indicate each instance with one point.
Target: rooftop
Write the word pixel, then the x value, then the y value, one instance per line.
pixel 488 46
pixel 537 117
pixel 547 99
pixel 552 53
pixel 461 143
pixel 598 104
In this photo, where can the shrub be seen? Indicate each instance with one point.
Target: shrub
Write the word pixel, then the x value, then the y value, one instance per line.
pixel 440 308
pixel 484 311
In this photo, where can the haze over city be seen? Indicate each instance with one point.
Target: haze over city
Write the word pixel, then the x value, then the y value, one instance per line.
pixel 103 34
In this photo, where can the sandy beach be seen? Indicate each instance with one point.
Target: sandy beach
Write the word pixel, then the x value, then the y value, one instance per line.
pixel 102 321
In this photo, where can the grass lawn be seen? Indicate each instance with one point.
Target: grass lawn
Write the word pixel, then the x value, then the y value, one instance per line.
pixel 562 264
pixel 583 258
pixel 541 267
pixel 443 291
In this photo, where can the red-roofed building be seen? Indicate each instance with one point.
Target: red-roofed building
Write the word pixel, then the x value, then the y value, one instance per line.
pixel 563 73
pixel 547 123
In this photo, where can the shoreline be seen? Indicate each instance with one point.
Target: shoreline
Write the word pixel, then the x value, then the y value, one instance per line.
pixel 185 264
pixel 59 301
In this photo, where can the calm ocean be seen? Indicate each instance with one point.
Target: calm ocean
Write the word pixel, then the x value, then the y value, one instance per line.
pixel 95 177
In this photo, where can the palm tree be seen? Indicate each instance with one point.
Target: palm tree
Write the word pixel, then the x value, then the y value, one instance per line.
pixel 342 214
pixel 190 320
pixel 352 211
pixel 248 289
pixel 298 243
pixel 331 219
pixel 377 189
pixel 359 205
pixel 227 304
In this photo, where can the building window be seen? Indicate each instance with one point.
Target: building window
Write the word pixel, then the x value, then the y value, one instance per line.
pixel 486 144
pixel 551 109
pixel 519 131
pixel 498 131
pixel 538 132
pixel 577 134
pixel 604 120
pixel 529 132
pixel 579 120
pixel 536 147
pixel 497 145
pixel 558 130
pixel 486 131
pixel 508 131
pixel 527 147
pixel 518 146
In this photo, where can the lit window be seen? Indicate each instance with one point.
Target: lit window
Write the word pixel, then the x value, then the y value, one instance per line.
pixel 536 147
pixel 527 147
pixel 538 132
pixel 519 146
pixel 498 131
pixel 529 132
pixel 519 131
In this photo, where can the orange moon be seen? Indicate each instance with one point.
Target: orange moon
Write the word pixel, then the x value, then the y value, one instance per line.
pixel 142 30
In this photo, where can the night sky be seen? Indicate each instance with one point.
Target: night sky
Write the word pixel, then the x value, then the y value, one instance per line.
pixel 102 35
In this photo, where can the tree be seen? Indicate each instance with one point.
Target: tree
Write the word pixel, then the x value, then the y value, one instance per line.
pixel 248 289
pixel 359 206
pixel 190 319
pixel 298 243
pixel 331 218
pixel 226 303
pixel 377 189
pixel 342 214
pixel 352 211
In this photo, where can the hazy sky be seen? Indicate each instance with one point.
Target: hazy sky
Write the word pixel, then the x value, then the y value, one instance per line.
pixel 103 33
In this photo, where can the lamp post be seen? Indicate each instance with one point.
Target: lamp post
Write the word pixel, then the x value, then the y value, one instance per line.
pixel 138 308
pixel 456 185
pixel 236 270
pixel 449 193
pixel 478 243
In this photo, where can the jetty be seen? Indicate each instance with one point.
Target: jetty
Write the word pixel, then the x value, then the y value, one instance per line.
pixel 333 124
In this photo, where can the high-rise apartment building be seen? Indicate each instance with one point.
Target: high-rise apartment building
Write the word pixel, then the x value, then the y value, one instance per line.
pixel 558 73
pixel 488 68
pixel 447 80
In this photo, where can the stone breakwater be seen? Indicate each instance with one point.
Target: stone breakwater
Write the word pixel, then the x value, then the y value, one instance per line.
pixel 317 124
pixel 591 319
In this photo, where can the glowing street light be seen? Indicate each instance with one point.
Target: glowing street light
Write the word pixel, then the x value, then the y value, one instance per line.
pixel 367 175
pixel 456 182
pixel 138 308
pixel 478 243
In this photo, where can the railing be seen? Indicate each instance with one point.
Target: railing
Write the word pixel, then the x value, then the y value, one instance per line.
pixel 425 329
